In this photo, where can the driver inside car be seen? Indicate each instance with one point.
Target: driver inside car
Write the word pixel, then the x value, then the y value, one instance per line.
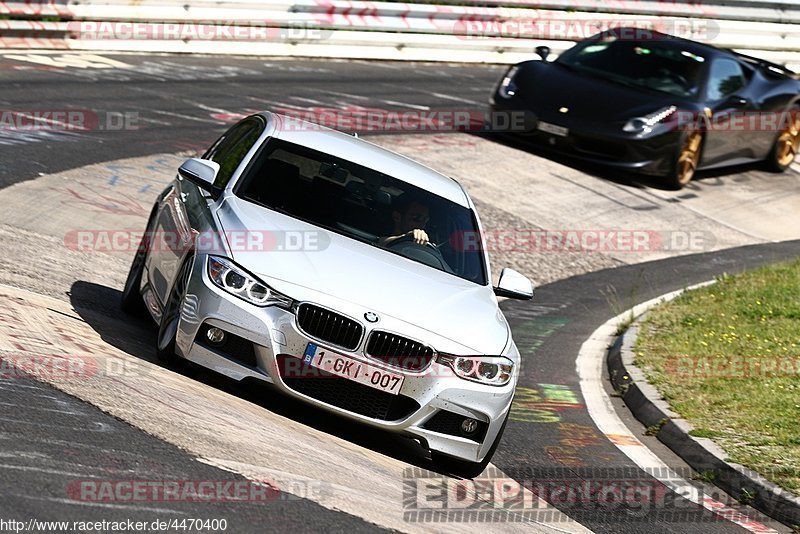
pixel 410 215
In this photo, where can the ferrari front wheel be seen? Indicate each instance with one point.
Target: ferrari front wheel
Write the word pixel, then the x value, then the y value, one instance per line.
pixel 687 160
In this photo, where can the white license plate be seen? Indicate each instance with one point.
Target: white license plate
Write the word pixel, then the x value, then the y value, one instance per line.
pixel 360 372
pixel 554 129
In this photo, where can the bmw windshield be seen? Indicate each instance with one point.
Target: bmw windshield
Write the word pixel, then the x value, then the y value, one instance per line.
pixel 653 64
pixel 366 205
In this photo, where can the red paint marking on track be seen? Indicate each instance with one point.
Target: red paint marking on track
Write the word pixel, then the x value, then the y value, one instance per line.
pixel 734 516
pixel 623 440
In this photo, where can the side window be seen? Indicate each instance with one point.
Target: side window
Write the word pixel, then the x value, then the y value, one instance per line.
pixel 726 77
pixel 231 148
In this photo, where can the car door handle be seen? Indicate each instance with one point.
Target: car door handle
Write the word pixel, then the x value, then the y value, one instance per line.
pixel 184 196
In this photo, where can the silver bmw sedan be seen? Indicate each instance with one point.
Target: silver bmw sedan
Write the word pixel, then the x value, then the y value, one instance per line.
pixel 341 273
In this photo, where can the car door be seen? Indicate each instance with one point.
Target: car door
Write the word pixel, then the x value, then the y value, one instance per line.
pixel 729 111
pixel 186 209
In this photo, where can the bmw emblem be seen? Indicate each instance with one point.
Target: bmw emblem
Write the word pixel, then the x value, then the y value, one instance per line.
pixel 371 317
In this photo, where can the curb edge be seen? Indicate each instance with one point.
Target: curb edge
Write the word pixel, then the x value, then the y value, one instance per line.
pixel 702 454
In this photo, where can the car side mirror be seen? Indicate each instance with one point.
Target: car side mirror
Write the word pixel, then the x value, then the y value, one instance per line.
pixel 202 173
pixel 513 285
pixel 543 52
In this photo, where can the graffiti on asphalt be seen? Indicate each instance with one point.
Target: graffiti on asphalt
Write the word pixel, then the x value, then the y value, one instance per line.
pixel 544 404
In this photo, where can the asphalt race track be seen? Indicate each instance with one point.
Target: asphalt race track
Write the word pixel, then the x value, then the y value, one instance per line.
pixel 133 419
pixel 49 437
pixel 183 105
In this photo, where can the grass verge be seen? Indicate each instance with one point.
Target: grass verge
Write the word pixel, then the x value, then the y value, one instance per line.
pixel 727 358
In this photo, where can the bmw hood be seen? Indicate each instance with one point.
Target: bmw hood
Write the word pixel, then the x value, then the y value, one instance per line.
pixel 309 263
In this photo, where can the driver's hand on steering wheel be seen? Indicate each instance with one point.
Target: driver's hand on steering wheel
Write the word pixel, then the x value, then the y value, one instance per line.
pixel 420 237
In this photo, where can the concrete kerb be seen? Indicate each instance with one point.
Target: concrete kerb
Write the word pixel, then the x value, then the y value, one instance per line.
pixel 702 454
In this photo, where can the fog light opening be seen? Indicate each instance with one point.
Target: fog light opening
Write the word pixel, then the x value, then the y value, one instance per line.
pixel 215 336
pixel 469 426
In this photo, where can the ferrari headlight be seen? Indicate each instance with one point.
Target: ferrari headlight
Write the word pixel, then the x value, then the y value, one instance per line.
pixel 646 123
pixel 490 370
pixel 507 87
pixel 232 279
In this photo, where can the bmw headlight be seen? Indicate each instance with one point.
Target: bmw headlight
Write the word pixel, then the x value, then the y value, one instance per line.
pixel 507 87
pixel 646 123
pixel 490 370
pixel 233 279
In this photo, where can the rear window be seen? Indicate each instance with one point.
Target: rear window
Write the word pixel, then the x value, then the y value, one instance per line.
pixel 366 205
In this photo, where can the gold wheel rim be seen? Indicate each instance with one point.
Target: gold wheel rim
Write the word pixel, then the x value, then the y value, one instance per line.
pixel 789 141
pixel 689 157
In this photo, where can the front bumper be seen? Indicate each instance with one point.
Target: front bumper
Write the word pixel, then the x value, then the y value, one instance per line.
pixel 274 335
pixel 651 154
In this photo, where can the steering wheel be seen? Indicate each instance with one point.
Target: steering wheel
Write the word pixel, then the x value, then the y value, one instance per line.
pixel 427 253
pixel 407 239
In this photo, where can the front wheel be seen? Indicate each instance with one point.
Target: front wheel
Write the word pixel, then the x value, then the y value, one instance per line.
pixel 687 160
pixel 168 326
pixel 131 301
pixel 465 468
pixel 787 144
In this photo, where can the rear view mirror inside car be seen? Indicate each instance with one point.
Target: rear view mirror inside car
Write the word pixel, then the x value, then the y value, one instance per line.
pixel 333 171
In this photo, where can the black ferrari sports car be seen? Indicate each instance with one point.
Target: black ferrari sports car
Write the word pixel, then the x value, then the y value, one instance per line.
pixel 655 104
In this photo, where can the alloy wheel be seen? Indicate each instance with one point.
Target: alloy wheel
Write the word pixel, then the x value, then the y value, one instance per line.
pixel 789 141
pixel 172 311
pixel 689 157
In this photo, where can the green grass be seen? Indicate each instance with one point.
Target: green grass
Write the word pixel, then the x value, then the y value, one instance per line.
pixel 727 358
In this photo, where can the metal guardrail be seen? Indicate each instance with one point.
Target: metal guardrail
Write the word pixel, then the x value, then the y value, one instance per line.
pixel 497 31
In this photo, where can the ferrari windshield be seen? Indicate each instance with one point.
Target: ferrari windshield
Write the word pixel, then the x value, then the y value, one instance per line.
pixel 662 66
pixel 366 205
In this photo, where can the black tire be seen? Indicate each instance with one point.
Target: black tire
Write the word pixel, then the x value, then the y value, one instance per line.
pixel 687 159
pixel 170 317
pixel 786 145
pixel 464 468
pixel 131 301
